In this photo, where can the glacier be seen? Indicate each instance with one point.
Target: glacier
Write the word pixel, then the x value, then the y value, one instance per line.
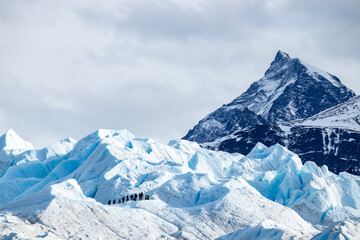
pixel 62 192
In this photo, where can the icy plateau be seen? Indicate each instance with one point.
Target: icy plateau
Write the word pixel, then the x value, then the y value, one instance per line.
pixel 62 192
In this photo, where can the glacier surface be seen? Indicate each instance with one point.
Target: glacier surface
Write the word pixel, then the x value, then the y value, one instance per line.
pixel 62 192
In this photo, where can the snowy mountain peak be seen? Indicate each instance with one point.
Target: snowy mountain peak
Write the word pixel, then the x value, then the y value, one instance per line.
pixel 11 141
pixel 280 55
pixel 289 90
pixel 282 61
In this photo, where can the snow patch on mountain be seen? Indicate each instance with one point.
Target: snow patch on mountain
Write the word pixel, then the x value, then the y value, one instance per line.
pixel 345 115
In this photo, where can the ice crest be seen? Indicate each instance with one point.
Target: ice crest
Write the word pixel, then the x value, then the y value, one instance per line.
pixel 11 141
pixel 194 193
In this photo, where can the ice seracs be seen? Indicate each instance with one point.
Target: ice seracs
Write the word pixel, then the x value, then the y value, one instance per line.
pixel 340 230
pixel 195 193
pixel 11 141
pixel 11 144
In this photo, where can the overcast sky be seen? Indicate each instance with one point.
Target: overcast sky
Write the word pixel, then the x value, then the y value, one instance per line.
pixel 155 67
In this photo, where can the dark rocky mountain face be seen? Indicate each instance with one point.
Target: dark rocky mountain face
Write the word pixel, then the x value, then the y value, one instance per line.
pixel 223 122
pixel 289 90
pixel 243 141
pixel 296 105
pixel 337 148
pixel 304 99
pixel 330 137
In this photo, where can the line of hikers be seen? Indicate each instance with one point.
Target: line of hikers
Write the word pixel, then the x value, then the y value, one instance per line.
pixel 132 197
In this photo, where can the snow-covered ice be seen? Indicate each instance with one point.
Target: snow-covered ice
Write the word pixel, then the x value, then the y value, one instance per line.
pixel 11 141
pixel 194 193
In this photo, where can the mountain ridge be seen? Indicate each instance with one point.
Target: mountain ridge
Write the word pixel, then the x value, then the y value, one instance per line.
pixel 302 107
pixel 289 90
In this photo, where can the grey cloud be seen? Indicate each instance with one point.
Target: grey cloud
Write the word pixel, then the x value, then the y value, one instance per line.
pixel 154 67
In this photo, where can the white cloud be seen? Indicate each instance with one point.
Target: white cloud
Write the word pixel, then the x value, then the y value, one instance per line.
pixel 154 67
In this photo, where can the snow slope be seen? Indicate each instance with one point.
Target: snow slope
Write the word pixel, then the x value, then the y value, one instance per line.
pixel 345 115
pixel 194 193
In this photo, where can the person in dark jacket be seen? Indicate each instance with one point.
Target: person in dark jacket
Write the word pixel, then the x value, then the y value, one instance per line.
pixel 114 201
pixel 123 199
pixel 141 195
pixel 109 202
pixel 127 198
pixel 147 197
pixel 119 200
